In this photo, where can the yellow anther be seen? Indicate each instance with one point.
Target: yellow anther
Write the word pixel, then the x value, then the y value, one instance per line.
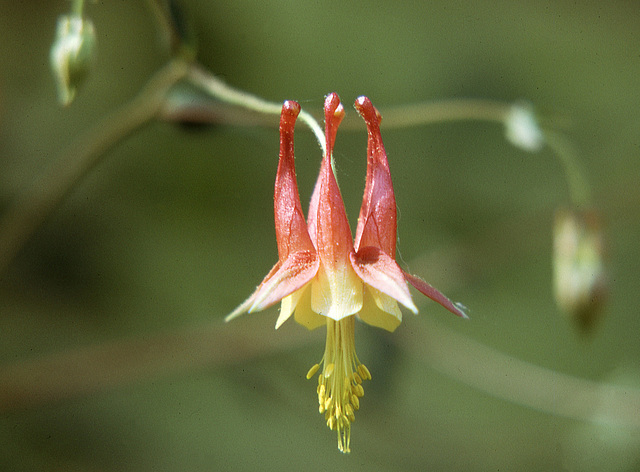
pixel 364 372
pixel 328 370
pixel 313 371
pixel 356 378
pixel 321 391
pixel 348 411
pixel 358 390
pixel 355 401
pixel 327 403
pixel 321 408
pixel 331 423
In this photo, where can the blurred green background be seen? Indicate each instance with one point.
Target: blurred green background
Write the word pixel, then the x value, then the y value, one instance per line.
pixel 175 228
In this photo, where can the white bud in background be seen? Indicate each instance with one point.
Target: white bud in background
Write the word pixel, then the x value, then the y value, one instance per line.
pixel 580 282
pixel 522 129
pixel 72 55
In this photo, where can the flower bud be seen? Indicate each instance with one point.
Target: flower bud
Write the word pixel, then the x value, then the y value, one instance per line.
pixel 580 282
pixel 72 54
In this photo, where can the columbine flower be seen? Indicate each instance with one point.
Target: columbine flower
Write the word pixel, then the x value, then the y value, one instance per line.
pixel 324 277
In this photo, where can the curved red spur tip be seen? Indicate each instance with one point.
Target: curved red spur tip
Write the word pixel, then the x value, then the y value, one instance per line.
pixel 333 115
pixel 291 227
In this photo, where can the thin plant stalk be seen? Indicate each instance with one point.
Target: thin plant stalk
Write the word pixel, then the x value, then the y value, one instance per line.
pixel 227 94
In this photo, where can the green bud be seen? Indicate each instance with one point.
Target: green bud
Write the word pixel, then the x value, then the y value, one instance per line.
pixel 71 55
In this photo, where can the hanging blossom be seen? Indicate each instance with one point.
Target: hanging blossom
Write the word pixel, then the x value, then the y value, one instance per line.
pixel 324 277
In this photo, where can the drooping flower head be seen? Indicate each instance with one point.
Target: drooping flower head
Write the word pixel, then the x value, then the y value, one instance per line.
pixel 323 276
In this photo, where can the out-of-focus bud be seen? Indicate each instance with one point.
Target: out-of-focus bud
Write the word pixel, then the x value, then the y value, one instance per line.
pixel 580 280
pixel 72 54
pixel 522 129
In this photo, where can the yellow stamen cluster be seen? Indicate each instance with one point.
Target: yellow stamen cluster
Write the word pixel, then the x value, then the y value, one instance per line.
pixel 340 382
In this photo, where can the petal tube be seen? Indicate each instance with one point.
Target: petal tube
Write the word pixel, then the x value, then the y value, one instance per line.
pixel 334 113
pixel 291 228
pixel 336 291
pixel 332 231
pixel 377 222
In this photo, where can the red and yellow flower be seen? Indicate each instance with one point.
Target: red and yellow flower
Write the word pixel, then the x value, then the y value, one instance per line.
pixel 324 276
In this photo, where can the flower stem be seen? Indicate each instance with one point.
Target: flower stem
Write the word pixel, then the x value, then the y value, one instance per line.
pixel 77 6
pixel 578 188
pixel 457 109
pixel 227 94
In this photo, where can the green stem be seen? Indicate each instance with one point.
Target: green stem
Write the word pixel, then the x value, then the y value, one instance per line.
pixel 578 187
pixel 457 109
pixel 163 21
pixel 179 42
pixel 227 94
pixel 31 208
pixel 77 7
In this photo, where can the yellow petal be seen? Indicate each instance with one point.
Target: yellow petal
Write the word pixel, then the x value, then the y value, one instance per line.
pixel 288 305
pixel 380 310
pixel 336 293
pixel 305 316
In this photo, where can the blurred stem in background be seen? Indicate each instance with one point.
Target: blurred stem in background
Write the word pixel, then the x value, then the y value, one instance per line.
pixel 77 7
pixel 101 368
pixel 565 151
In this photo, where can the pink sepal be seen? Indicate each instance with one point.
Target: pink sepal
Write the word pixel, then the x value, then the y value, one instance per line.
pixel 377 222
pixel 381 272
pixel 435 295
pixel 298 269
